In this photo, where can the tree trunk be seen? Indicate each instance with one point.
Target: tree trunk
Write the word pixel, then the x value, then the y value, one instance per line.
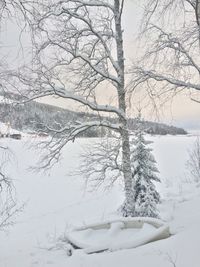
pixel 129 206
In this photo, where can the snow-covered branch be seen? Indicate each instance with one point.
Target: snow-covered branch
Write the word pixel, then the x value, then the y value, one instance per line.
pixel 91 3
pixel 173 44
pixel 101 161
pixel 63 135
pixel 77 98
pixel 145 75
pixel 96 52
pixel 170 62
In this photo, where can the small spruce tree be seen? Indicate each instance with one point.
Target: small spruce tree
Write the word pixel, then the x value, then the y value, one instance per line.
pixel 144 175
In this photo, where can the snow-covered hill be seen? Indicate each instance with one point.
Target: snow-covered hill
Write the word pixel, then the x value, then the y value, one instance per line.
pixel 32 115
pixel 57 201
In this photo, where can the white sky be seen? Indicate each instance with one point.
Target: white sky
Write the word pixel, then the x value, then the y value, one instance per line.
pixel 181 112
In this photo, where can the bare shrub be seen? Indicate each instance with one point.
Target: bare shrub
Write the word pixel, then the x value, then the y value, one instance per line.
pixel 193 163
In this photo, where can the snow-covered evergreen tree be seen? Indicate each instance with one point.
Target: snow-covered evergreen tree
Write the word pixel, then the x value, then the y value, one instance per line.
pixel 144 175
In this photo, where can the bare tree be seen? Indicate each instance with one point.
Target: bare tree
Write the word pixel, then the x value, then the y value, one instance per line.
pixel 171 62
pixel 14 9
pixel 78 50
pixel 8 206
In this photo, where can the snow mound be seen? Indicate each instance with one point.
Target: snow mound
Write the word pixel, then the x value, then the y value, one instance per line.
pixel 119 234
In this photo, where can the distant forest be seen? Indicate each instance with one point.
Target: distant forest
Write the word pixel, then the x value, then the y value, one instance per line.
pixel 32 116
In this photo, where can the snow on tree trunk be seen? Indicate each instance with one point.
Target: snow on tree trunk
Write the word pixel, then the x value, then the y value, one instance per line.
pixel 129 208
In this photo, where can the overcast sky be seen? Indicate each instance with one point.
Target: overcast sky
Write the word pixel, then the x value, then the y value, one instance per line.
pixel 181 111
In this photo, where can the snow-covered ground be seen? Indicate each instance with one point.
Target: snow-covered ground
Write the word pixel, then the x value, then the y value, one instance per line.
pixel 56 201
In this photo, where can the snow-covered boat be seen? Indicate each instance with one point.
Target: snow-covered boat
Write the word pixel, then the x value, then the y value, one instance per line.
pixel 123 233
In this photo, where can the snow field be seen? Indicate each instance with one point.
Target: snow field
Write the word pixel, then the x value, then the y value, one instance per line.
pixel 56 201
